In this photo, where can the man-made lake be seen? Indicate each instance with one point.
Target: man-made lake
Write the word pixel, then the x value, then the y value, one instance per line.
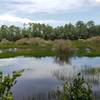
pixel 43 75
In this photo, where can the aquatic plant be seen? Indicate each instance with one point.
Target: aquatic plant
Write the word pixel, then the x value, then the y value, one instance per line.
pixel 78 89
pixel 6 82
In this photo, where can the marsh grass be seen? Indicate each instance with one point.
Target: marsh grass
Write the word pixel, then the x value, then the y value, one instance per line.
pixel 91 44
pixel 5 41
pixel 64 47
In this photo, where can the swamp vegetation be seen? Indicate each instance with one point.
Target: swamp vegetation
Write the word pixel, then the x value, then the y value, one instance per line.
pixel 78 89
pixel 50 54
pixel 6 83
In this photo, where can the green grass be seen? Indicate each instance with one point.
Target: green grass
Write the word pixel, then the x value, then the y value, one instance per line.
pixel 35 53
pixel 27 50
pixel 84 53
pixel 6 46
pixel 82 46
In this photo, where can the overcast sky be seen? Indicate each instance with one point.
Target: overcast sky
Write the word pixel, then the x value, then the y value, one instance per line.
pixel 53 12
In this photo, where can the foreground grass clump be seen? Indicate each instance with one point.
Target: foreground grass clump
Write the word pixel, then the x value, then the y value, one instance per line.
pixel 78 89
pixel 6 82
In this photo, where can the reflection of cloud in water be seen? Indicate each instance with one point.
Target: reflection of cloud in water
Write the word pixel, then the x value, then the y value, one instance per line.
pixel 66 72
pixel 88 61
pixel 44 74
pixel 6 62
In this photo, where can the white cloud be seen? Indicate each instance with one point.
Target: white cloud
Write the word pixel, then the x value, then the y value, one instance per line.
pixel 13 19
pixel 98 1
pixel 27 8
pixel 10 18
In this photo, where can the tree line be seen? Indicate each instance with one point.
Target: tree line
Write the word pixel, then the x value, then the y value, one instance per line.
pixel 80 30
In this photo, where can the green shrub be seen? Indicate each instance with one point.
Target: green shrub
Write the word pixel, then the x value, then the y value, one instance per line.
pixel 78 89
pixel 6 82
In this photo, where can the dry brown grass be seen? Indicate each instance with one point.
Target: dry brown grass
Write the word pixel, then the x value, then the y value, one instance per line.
pixel 33 41
pixel 63 46
pixel 5 41
pixel 22 41
pixel 93 42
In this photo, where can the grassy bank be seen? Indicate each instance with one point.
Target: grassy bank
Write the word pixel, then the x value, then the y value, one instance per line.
pixel 35 53
pixel 40 47
pixel 89 47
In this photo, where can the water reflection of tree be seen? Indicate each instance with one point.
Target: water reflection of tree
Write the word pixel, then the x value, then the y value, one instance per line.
pixel 62 59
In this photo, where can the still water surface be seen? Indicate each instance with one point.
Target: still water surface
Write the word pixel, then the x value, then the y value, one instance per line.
pixel 43 75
